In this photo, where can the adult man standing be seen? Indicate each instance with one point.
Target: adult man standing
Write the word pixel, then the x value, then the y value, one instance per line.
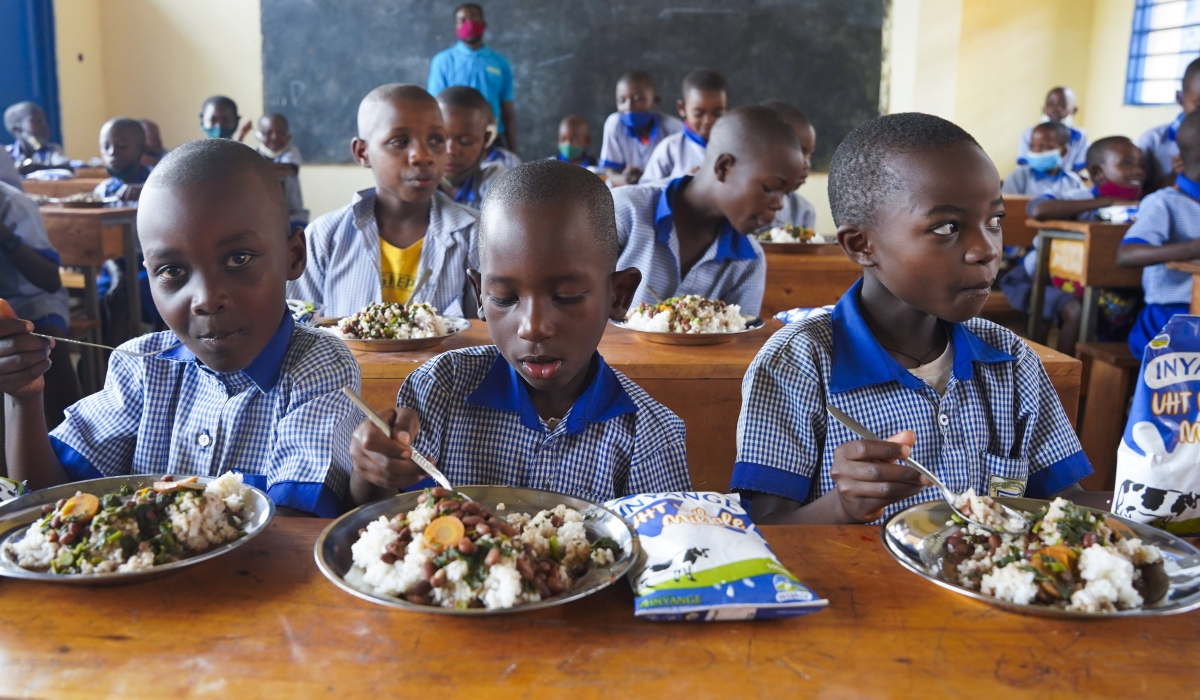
pixel 471 63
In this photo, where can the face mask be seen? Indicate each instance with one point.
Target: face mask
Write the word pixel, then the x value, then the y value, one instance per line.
pixel 1045 161
pixel 217 132
pixel 570 151
pixel 1116 190
pixel 470 30
pixel 637 120
pixel 1065 122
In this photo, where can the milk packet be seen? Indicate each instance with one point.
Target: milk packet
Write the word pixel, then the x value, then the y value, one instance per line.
pixel 1158 462
pixel 702 559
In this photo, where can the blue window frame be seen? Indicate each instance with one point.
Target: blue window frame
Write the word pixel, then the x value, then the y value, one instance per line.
pixel 29 71
pixel 1166 37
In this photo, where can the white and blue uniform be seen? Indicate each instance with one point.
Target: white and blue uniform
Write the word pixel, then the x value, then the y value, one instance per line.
pixel 297 214
pixel 472 190
pixel 1076 158
pixel 733 268
pixel 50 154
pixel 621 146
pixel 20 215
pixel 283 422
pixel 1168 215
pixel 343 271
pixel 677 155
pixel 1027 181
pixel 999 427
pixel 480 427
pixel 503 155
pixel 1159 148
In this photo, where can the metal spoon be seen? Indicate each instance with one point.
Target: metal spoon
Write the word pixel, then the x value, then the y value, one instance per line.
pixel 417 457
pixel 421 281
pixel 105 347
pixel 860 430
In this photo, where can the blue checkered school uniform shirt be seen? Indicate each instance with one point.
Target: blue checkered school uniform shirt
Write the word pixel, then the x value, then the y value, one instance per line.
pixel 112 185
pixel 472 191
pixel 621 146
pixel 1159 148
pixel 50 154
pixel 283 422
pixel 677 155
pixel 1166 216
pixel 343 257
pixel 999 423
pixel 503 155
pixel 733 268
pixel 480 427
pixel 21 216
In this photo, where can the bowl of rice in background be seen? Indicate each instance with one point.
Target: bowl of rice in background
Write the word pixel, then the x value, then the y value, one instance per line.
pixel 688 320
pixel 425 329
pixel 335 557
pixel 916 538
pixel 18 515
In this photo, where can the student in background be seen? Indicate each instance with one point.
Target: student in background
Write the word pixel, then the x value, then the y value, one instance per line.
pixel 495 153
pixel 633 131
pixel 1044 171
pixel 219 118
pixel 471 63
pixel 9 174
pixel 704 101
pixel 234 385
pixel 797 210
pixel 375 248
pixel 275 144
pixel 917 203
pixel 30 283
pixel 122 145
pixel 689 235
pixel 1160 151
pixel 469 131
pixel 1114 167
pixel 32 149
pixel 574 138
pixel 1060 107
pixel 540 408
pixel 154 145
pixel 1167 228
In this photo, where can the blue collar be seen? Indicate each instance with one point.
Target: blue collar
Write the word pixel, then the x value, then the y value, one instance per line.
pixel 693 136
pixel 654 122
pixel 264 371
pixel 1174 127
pixel 466 193
pixel 731 245
pixel 859 360
pixel 603 399
pixel 1188 186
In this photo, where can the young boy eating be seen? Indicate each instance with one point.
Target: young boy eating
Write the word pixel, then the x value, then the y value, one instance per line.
pixel 219 118
pixel 1044 170
pixel 704 101
pixel 1060 107
pixel 377 247
pixel 469 132
pixel 32 149
pixel 540 408
pixel 633 131
pixel 918 205
pixel 689 235
pixel 1160 151
pixel 1167 228
pixel 574 137
pixel 235 384
pixel 122 145
pixel 275 144
pixel 797 210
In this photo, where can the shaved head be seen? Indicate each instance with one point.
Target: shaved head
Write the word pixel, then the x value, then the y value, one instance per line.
pixel 391 94
pixel 749 131
pixel 125 125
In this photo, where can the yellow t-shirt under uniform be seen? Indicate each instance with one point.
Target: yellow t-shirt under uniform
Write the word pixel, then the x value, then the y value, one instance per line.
pixel 398 270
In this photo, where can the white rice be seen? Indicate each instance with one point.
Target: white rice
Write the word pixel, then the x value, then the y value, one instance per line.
pixel 1010 583
pixel 687 314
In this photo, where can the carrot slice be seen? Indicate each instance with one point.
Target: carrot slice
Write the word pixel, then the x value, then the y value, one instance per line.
pixel 444 531
pixel 80 507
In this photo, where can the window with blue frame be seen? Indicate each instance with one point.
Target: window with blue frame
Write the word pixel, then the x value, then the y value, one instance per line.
pixel 1166 38
pixel 28 70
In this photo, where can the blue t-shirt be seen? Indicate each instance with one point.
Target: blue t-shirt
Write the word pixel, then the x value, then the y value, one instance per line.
pixel 483 69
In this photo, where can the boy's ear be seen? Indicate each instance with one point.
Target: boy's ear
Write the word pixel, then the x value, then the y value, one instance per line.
pixel 477 285
pixel 1096 174
pixel 297 254
pixel 1063 151
pixel 679 105
pixel 856 244
pixel 624 284
pixel 358 148
pixel 723 166
pixel 658 99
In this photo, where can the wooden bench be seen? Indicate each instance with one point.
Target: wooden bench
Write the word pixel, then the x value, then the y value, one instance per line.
pixel 1109 376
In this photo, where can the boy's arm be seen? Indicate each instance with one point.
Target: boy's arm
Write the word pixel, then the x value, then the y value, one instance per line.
pixel 37 267
pixel 1045 208
pixel 1147 242
pixel 24 358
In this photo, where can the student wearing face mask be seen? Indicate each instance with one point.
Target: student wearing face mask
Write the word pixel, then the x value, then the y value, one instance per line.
pixel 470 62
pixel 1060 107
pixel 219 118
pixel 633 131
pixel 1045 171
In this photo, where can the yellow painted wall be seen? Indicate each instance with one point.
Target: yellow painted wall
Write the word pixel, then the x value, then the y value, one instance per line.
pixel 80 60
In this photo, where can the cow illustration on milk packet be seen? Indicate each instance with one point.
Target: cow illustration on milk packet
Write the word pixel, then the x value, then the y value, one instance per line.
pixel 702 559
pixel 1158 462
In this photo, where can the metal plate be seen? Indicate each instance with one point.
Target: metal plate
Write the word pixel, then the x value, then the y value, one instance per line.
pixel 753 323
pixel 457 325
pixel 16 516
pixel 335 560
pixel 916 538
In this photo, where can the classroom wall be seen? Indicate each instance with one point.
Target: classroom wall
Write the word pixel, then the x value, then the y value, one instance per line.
pixel 80 60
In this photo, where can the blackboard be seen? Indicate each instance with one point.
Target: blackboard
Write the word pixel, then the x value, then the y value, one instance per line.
pixel 321 56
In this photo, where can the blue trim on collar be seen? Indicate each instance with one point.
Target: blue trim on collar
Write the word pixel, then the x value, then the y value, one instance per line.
pixel 655 120
pixel 693 136
pixel 859 360
pixel 731 245
pixel 466 193
pixel 1187 186
pixel 74 464
pixel 264 371
pixel 604 398
pixel 1058 174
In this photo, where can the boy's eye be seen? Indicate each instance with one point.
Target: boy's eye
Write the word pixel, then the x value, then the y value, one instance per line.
pixel 238 259
pixel 171 272
pixel 400 142
pixel 503 301
pixel 947 229
pixel 994 222
pixel 768 190
pixel 568 299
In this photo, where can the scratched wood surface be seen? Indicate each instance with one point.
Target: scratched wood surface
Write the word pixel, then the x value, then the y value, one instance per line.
pixel 263 622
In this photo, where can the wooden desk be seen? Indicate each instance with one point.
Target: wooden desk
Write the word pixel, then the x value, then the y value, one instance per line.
pixel 264 622
pixel 1016 227
pixel 1084 252
pixel 1191 267
pixel 702 385
pixel 61 188
pixel 797 280
pixel 86 238
pixel 86 172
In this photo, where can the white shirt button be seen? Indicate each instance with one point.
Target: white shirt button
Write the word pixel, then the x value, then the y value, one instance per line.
pixel 204 439
pixel 944 420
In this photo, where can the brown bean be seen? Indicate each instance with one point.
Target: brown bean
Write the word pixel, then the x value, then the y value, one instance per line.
pixel 60 503
pixel 540 584
pixel 387 558
pixel 556 584
pixel 507 529
pixel 493 557
pixel 421 588
pixel 422 498
pixel 556 521
pixel 396 549
pixel 67 539
pixel 525 568
pixel 168 477
pixel 483 529
pixel 439 492
pixel 417 599
pixel 47 508
pixel 56 521
pixel 439 579
pixel 470 507
pixel 995 541
pixel 1089 539
pixel 543 565
pixel 470 520
pixel 75 529
pixel 429 570
pixel 403 534
pixel 52 535
pixel 467 547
